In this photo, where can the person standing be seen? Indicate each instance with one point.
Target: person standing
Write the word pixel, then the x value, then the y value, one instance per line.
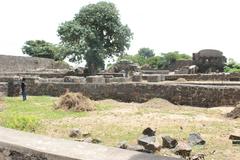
pixel 23 87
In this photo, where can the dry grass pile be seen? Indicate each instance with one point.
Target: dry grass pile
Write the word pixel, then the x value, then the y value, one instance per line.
pixel 74 102
pixel 235 113
pixel 158 103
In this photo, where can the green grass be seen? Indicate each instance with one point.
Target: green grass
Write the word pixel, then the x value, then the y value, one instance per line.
pixel 27 115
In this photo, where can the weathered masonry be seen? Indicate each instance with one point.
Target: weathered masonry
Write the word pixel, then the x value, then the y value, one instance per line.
pixel 202 95
pixel 18 145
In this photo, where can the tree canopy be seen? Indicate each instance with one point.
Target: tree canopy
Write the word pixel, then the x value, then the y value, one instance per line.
pixel 146 52
pixel 161 61
pixel 94 34
pixel 41 48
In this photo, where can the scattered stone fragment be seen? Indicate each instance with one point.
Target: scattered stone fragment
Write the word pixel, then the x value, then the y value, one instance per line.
pixel 123 145
pixel 149 132
pixel 75 132
pixel 198 157
pixel 234 137
pixel 86 135
pixel 195 139
pixel 183 149
pixel 138 148
pixel 236 142
pixel 97 141
pixel 168 142
pixel 92 140
pixel 150 143
pixel 235 113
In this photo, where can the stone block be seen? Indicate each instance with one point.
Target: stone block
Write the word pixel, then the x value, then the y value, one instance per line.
pixel 137 78
pixel 95 79
pixel 155 78
pixel 74 79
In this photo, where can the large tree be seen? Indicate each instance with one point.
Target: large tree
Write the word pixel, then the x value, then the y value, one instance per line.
pixel 41 48
pixel 94 34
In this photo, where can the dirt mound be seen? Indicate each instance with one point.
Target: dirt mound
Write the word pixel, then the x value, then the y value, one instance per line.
pixel 181 80
pixel 74 102
pixel 235 113
pixel 158 103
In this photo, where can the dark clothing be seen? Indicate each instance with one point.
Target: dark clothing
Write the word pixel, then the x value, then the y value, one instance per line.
pixel 24 93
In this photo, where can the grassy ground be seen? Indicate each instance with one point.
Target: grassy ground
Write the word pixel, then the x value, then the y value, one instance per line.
pixel 114 122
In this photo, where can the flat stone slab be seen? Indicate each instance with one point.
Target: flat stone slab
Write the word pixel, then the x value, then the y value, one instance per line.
pixel 60 149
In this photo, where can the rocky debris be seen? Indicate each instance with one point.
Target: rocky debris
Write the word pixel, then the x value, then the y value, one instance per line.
pixel 138 148
pixel 183 149
pixel 235 113
pixel 122 145
pixel 235 138
pixel 195 139
pixel 150 143
pixel 75 132
pixel 198 157
pixel 168 142
pixel 86 134
pixel 92 140
pixel 149 132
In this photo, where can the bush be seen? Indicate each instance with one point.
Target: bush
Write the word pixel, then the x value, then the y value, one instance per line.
pixel 74 102
pixel 20 122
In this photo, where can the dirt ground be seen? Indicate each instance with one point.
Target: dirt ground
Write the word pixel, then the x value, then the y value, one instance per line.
pixel 120 121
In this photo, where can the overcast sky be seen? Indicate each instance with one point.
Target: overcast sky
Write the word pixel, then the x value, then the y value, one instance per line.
pixel 163 25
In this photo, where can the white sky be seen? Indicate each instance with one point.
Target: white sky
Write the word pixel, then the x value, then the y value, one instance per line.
pixel 163 25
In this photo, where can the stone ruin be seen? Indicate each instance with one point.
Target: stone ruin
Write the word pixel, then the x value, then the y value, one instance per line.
pixel 209 60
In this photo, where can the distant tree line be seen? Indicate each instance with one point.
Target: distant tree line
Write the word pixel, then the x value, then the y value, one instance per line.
pixel 146 58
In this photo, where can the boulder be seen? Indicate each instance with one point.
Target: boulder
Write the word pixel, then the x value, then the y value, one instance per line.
pixel 195 139
pixel 150 143
pixel 75 132
pixel 183 149
pixel 92 140
pixel 168 142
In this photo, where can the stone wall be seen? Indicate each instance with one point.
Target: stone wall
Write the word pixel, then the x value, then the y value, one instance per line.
pixel 204 77
pixel 21 64
pixel 16 145
pixel 3 88
pixel 182 94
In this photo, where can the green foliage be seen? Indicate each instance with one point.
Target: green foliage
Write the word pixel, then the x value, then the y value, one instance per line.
pixel 94 34
pixel 157 62
pixel 232 66
pixel 20 122
pixel 146 52
pixel 43 49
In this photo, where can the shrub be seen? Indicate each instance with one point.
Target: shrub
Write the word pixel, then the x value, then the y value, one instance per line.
pixel 20 122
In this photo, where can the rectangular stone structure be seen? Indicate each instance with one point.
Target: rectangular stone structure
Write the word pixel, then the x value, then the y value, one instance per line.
pixel 155 78
pixel 22 145
pixel 74 79
pixel 95 79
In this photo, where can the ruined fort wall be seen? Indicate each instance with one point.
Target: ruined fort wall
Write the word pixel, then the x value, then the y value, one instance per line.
pixel 21 64
pixel 182 94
